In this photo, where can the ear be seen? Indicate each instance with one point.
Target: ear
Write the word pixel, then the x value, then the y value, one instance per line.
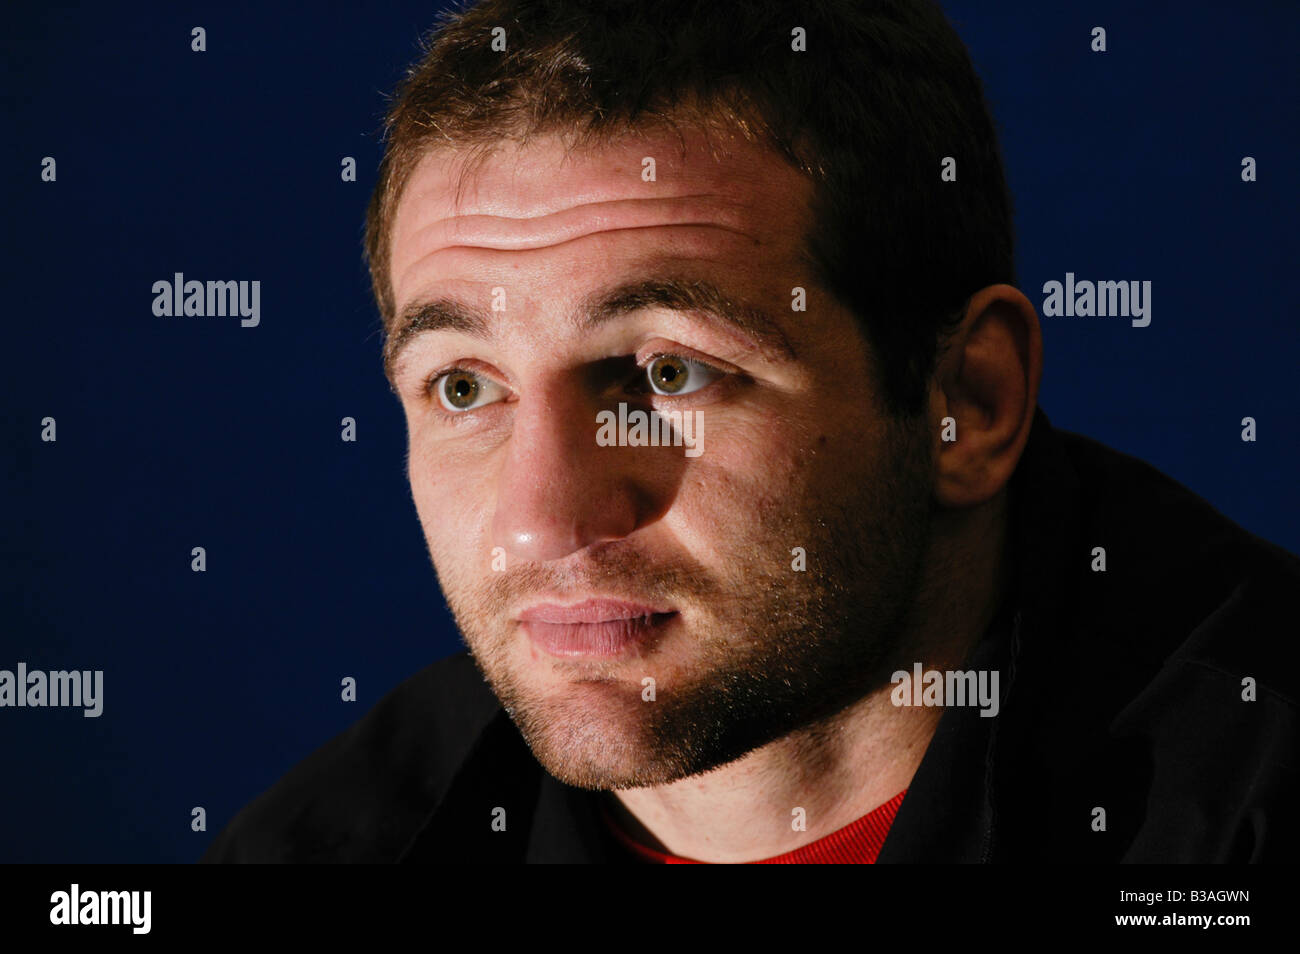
pixel 987 382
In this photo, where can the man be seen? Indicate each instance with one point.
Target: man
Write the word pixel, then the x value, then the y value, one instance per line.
pixel 724 437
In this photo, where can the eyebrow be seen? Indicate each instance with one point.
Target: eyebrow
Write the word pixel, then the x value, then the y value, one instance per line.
pixel 696 296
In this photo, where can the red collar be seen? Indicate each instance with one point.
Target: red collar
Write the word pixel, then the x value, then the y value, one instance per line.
pixel 857 843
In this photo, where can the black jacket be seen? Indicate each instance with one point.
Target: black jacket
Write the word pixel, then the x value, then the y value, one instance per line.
pixel 1121 690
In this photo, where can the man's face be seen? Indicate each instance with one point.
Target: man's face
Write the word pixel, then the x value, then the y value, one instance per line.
pixel 757 578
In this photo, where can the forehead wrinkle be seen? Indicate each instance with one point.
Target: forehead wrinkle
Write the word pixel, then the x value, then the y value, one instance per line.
pixel 705 298
pixel 591 216
pixel 428 248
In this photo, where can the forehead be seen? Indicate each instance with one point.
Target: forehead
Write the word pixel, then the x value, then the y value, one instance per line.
pixel 542 195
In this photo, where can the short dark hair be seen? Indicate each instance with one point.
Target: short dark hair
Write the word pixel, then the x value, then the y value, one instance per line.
pixel 883 93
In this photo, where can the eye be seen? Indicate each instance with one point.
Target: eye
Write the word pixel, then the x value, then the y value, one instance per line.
pixel 459 390
pixel 672 374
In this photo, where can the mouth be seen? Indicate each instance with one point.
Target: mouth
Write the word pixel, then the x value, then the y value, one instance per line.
pixel 595 628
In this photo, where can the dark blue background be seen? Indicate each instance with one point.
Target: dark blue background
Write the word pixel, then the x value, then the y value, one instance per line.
pixel 197 432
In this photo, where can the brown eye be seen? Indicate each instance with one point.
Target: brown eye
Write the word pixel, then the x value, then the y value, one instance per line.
pixel 668 374
pixel 673 374
pixel 459 391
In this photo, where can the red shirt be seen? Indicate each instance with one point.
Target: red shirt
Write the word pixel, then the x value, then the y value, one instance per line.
pixel 857 843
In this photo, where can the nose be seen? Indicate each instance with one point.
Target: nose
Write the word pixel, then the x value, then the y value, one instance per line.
pixel 558 491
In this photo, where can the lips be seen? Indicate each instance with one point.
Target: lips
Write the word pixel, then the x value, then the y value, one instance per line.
pixel 601 628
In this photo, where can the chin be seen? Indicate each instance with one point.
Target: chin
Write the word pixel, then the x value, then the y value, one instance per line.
pixel 595 736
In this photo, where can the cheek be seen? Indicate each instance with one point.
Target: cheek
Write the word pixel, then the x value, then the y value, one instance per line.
pixel 748 484
pixel 451 500
pixel 771 478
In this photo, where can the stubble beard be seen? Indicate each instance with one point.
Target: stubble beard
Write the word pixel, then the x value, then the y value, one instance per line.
pixel 773 650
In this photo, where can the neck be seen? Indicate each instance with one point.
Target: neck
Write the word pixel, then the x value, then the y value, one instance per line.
pixel 840 768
